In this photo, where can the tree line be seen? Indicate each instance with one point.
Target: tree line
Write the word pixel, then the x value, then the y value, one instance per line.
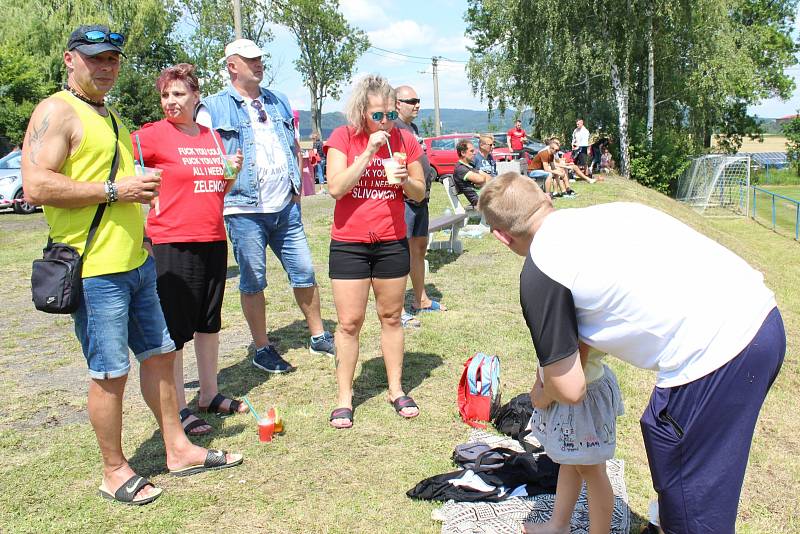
pixel 665 78
pixel 160 33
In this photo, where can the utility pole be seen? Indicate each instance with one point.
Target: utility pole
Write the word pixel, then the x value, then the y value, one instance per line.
pixel 237 18
pixel 437 125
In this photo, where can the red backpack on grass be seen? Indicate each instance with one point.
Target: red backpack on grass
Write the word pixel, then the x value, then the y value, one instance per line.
pixel 479 389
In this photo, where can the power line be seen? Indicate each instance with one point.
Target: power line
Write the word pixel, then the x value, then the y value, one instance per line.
pixel 440 58
pixel 398 58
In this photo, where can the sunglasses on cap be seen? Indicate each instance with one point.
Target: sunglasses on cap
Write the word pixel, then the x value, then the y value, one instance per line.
pixel 99 36
pixel 390 116
pixel 412 101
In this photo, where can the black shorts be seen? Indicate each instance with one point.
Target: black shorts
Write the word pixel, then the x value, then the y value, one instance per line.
pixel 191 286
pixel 417 220
pixel 357 261
pixel 579 155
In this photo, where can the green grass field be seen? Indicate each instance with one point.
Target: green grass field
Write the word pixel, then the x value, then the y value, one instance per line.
pixel 315 479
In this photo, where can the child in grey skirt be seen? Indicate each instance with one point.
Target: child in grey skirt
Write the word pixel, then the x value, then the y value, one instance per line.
pixel 580 437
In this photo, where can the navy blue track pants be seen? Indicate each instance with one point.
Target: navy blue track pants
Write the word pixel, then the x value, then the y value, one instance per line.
pixel 698 436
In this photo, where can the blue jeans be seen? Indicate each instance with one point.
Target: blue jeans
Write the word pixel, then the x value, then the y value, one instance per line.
pixel 283 232
pixel 320 170
pixel 119 311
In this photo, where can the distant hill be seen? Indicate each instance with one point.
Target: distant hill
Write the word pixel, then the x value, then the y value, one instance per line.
pixel 453 120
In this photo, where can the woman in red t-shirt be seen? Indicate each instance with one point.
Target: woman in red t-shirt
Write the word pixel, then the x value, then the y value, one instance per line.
pixel 188 235
pixel 370 167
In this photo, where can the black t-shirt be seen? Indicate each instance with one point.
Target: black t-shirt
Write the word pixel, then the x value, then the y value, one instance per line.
pixel 549 311
pixel 464 186
pixel 427 170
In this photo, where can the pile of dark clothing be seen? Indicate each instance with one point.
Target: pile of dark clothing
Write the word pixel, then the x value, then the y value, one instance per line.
pixel 494 474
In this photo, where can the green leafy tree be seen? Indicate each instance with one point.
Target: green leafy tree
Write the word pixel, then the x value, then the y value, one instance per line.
pixel 210 27
pixel 21 88
pixel 329 48
pixel 792 132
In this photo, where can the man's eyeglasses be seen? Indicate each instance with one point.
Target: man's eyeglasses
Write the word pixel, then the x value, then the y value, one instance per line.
pixel 412 101
pixel 98 36
pixel 378 116
pixel 262 115
pixel 488 144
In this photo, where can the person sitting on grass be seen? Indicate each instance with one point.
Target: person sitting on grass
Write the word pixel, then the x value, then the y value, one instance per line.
pixel 466 177
pixel 581 438
pixel 542 168
pixel 560 162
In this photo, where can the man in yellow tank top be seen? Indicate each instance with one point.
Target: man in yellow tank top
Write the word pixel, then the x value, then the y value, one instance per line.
pixel 68 152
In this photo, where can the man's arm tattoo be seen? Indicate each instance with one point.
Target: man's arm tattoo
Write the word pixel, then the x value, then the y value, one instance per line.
pixel 36 138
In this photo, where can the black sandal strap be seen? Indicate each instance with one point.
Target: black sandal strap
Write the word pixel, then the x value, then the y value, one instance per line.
pixel 185 414
pixel 129 489
pixel 216 402
pixel 195 424
pixel 215 458
pixel 235 405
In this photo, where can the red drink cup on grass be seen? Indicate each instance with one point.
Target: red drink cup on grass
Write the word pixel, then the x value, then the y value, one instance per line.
pixel 266 427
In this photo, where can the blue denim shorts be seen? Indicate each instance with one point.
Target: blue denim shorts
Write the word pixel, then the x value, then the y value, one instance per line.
pixel 283 232
pixel 120 311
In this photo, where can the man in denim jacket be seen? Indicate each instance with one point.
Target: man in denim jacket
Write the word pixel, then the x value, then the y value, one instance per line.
pixel 263 206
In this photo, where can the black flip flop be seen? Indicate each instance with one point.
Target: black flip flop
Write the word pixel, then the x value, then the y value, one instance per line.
pixel 215 460
pixel 126 492
pixel 216 402
pixel 401 403
pixel 342 413
pixel 187 413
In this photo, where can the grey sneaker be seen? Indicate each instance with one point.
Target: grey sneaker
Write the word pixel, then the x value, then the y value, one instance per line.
pixel 268 359
pixel 322 345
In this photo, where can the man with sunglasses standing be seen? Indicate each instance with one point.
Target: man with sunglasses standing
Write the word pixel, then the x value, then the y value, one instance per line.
pixel 417 216
pixel 68 166
pixel 263 207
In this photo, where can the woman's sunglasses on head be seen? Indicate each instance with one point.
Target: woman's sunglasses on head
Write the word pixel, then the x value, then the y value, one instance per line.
pixel 378 116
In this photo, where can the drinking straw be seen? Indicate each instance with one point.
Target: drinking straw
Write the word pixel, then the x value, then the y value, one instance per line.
pixel 139 147
pixel 389 146
pixel 252 409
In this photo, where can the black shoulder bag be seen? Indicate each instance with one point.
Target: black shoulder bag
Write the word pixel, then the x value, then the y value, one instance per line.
pixel 56 279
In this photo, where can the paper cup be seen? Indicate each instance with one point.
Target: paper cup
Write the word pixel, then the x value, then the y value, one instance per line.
pixel 144 171
pixel 390 165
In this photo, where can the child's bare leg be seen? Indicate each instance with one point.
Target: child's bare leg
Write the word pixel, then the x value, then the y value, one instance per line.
pixel 600 496
pixel 567 492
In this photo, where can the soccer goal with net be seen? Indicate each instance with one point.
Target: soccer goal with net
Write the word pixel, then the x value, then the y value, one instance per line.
pixel 717 185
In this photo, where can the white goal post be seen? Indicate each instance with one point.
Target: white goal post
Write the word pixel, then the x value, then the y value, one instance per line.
pixel 717 185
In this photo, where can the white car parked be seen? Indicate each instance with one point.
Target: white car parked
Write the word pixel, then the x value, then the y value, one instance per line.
pixel 11 195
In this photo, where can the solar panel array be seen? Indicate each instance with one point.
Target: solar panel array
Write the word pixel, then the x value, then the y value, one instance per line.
pixel 775 160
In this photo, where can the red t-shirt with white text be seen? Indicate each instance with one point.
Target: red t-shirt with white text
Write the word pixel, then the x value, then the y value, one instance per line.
pixel 516 138
pixel 192 186
pixel 374 209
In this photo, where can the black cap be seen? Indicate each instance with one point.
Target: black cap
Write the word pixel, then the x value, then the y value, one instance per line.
pixel 77 41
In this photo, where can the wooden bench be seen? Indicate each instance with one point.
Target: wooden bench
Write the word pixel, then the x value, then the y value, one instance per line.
pixel 454 222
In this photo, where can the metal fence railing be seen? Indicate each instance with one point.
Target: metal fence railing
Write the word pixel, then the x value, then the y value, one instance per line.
pixel 782 213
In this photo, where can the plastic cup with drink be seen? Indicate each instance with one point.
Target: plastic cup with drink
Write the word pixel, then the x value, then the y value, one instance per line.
pixel 392 164
pixel 141 170
pixel 229 170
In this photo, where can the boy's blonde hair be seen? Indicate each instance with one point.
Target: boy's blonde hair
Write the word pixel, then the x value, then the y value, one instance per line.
pixel 509 201
pixel 356 108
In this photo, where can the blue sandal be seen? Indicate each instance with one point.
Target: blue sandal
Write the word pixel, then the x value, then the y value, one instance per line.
pixel 434 307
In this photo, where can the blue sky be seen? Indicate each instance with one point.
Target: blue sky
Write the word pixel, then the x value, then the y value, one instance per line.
pixel 423 29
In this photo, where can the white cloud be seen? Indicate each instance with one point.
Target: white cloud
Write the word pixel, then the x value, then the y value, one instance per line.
pixel 402 34
pixel 365 14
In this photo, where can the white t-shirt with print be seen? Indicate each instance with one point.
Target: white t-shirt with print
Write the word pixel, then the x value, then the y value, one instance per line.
pixel 642 286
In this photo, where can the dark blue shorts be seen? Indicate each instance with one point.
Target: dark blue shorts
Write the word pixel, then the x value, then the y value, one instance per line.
pixel 417 219
pixel 698 435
